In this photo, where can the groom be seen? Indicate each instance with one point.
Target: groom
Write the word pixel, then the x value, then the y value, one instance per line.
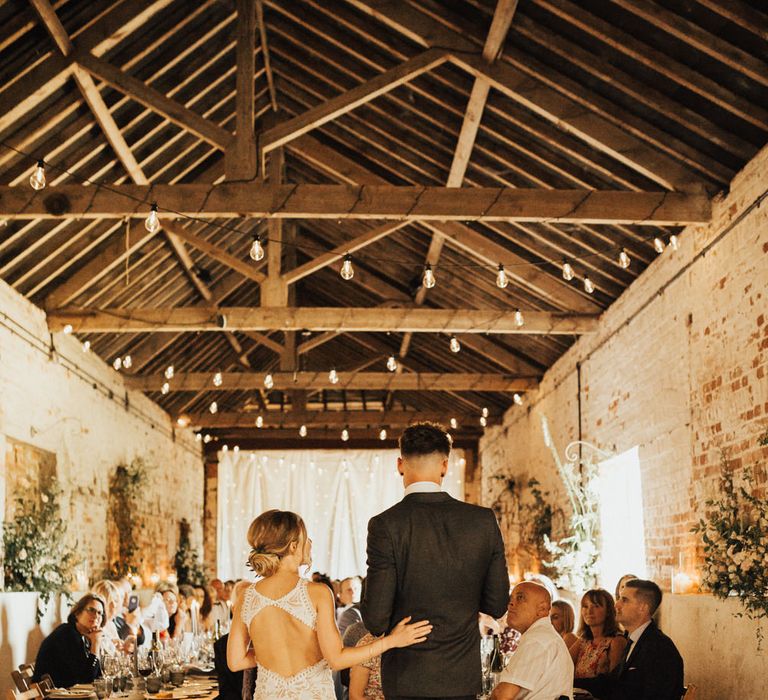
pixel 438 559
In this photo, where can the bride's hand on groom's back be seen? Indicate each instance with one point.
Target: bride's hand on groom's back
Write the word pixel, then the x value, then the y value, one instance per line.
pixel 405 634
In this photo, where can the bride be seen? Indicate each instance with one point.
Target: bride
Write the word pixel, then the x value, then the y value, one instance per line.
pixel 285 625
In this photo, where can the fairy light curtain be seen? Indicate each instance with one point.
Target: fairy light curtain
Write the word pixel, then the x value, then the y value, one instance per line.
pixel 335 491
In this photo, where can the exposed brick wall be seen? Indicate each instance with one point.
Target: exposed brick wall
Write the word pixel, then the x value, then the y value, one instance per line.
pixel 49 407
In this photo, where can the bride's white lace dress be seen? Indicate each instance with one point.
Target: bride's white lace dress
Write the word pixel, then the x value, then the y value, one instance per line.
pixel 311 683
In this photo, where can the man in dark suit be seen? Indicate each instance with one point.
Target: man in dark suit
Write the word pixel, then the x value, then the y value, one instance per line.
pixel 652 668
pixel 438 559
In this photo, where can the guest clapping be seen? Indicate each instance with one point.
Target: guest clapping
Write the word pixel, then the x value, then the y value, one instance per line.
pixel 70 654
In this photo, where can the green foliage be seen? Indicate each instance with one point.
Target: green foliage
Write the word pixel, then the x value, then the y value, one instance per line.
pixel 186 562
pixel 125 487
pixel 37 556
pixel 536 516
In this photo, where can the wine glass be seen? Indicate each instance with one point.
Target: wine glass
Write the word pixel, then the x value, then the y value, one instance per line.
pixel 102 687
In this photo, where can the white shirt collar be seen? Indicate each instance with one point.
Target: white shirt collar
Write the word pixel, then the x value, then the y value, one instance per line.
pixel 634 636
pixel 422 487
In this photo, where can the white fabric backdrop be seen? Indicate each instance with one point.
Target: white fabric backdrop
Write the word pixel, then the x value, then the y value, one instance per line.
pixel 335 491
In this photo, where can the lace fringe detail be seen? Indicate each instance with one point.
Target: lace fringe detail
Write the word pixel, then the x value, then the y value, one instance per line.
pixel 312 683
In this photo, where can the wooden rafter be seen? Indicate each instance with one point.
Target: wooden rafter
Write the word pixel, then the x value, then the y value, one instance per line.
pixel 389 381
pixel 386 202
pixel 344 319
pixel 265 52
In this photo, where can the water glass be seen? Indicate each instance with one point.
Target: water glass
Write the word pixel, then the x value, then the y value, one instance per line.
pixel 102 687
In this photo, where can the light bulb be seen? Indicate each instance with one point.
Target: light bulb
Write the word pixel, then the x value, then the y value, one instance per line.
pixel 225 448
pixel 519 319
pixel 392 363
pixel 165 388
pixel 568 273
pixel 454 423
pixel 658 245
pixel 345 434
pixel 127 362
pixel 485 411
pixel 333 377
pixel 501 277
pixel 483 421
pixel 517 399
pixel 347 271
pixel 207 438
pixel 169 371
pixel 674 242
pixel 217 379
pixel 237 449
pixel 37 178
pixel 68 329
pixel 86 346
pixel 589 287
pixel 303 431
pixel 118 363
pixel 455 345
pixel 428 280
pixel 383 434
pixel 269 381
pixel 257 250
pixel 624 260
pixel 259 422
pixel 198 437
pixel 214 407
pixel 152 223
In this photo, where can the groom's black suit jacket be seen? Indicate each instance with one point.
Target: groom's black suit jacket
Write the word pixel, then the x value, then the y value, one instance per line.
pixel 438 559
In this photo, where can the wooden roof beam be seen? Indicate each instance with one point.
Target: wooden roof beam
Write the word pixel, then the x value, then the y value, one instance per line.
pixel 339 319
pixel 385 202
pixel 265 54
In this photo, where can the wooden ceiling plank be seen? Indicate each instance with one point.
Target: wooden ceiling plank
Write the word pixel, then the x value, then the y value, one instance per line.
pixel 352 381
pixel 332 109
pixel 741 14
pixel 385 202
pixel 266 54
pixel 534 95
pixel 342 319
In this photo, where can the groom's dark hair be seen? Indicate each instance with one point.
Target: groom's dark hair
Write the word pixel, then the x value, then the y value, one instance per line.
pixel 424 439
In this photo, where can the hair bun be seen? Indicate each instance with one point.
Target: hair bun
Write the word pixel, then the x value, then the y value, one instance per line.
pixel 263 563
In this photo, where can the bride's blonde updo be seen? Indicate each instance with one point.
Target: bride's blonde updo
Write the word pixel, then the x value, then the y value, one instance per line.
pixel 270 537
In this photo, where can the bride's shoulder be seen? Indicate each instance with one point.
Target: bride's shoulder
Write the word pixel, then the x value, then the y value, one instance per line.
pixel 319 592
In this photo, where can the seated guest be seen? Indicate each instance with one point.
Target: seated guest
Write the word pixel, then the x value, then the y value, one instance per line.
pixel 541 668
pixel 128 620
pixel 365 679
pixel 177 615
pixel 189 601
pixel 230 682
pixel 600 647
pixel 110 639
pixel 563 620
pixel 219 611
pixel 70 654
pixel 621 583
pixel 652 668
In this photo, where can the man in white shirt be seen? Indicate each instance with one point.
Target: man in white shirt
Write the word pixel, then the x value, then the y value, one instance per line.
pixel 541 668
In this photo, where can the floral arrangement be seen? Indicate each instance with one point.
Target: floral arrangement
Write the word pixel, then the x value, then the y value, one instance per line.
pixel 735 537
pixel 37 555
pixel 574 562
pixel 187 562
pixel 125 486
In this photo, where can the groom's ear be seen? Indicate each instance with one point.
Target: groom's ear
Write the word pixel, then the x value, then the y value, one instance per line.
pixel 444 468
pixel 400 466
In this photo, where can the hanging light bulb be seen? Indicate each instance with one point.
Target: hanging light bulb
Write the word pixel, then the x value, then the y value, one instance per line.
pixel 519 318
pixel 485 411
pixel 214 407
pixel 517 399
pixel 198 437
pixel 501 277
pixel 392 363
pixel 118 363
pixel 259 422
pixel 658 245
pixel 568 273
pixel 589 286
pixel 429 280
pixel 165 388
pixel 269 381
pixel 67 329
pixel 383 434
pixel 347 271
pixel 127 362
pixel 217 379
pixel 257 250
pixel 207 438
pixel 169 371
pixel 152 222
pixel 86 346
pixel 624 260
pixel 345 434
pixel 333 376
pixel 37 178
pixel 303 431
pixel 455 345
pixel 483 421
pixel 674 242
pixel 454 424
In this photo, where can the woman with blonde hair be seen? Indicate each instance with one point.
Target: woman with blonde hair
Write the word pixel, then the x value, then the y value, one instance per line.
pixel 563 620
pixel 113 597
pixel 285 625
